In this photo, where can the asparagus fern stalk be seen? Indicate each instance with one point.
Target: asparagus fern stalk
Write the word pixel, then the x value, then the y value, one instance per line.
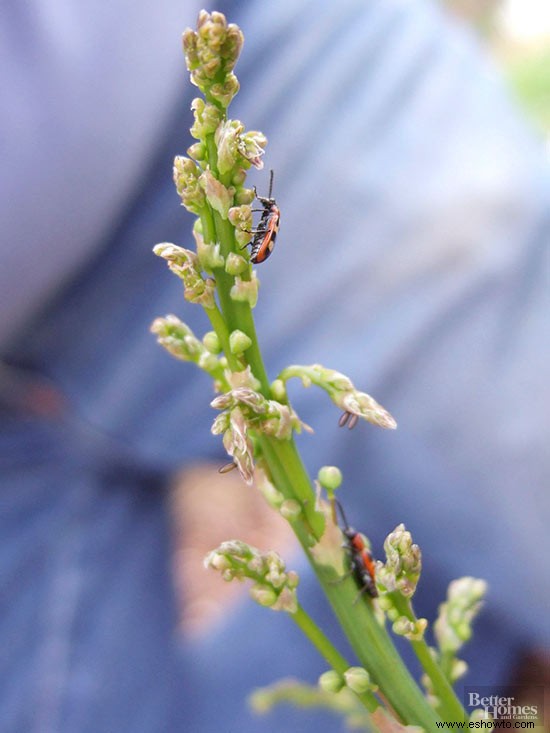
pixel 257 422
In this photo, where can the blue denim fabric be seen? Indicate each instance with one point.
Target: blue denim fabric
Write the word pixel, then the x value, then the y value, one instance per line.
pixel 412 256
pixel 87 613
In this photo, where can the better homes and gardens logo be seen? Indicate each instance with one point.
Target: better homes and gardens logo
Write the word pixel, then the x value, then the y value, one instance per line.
pixel 509 703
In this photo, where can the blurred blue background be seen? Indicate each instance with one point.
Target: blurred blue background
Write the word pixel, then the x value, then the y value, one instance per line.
pixel 412 256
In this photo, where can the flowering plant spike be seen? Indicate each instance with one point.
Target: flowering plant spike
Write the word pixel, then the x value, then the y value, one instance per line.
pixel 257 425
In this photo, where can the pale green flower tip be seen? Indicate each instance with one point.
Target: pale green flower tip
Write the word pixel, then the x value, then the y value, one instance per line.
pixel 278 390
pixel 235 264
pixel 236 551
pixel 198 153
pixel 241 218
pixel 276 578
pixel 185 174
pixel 244 196
pixel 177 338
pixel 220 424
pixel 244 378
pixel 361 404
pixel 264 595
pixel 331 681
pixel 458 670
pixel 211 342
pixel 245 291
pixel 184 169
pixel 242 239
pixel 216 38
pixel 404 560
pixel 216 561
pixel 286 601
pixel 273 497
pixel 212 28
pixel 330 477
pixel 239 342
pixel 208 362
pixel 232 46
pixel 183 262
pixel 197 289
pixel 357 679
pixel 290 509
pixel 210 119
pixel 227 141
pixel 469 590
pixel 256 565
pixel 252 147
pixel 478 715
pixel 224 92
pixel 218 196
pixel 393 614
pixel 238 178
pixel 189 41
pixel 453 626
pixel 261 701
pixel 402 626
pixel 292 579
pixel 161 248
pixel 413 630
pixel 207 118
pixel 463 631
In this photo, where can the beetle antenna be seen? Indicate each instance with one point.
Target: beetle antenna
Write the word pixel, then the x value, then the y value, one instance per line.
pixel 270 183
pixel 341 508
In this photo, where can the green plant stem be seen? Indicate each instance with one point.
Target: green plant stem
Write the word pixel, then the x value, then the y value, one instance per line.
pixel 370 641
pixel 331 655
pixel 293 481
pixel 224 281
pixel 378 655
pixel 449 706
pixel 239 314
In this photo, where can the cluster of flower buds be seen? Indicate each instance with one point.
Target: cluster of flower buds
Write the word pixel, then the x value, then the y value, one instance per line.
pixel 355 404
pixel 186 177
pixel 243 409
pixel 267 416
pixel 211 53
pixel 356 678
pixel 245 291
pixel 403 563
pixel 241 218
pixel 396 581
pixel 453 626
pixel 322 696
pixel 206 118
pixel 196 187
pixel 185 264
pixel 234 145
pixel 273 585
pixel 178 339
